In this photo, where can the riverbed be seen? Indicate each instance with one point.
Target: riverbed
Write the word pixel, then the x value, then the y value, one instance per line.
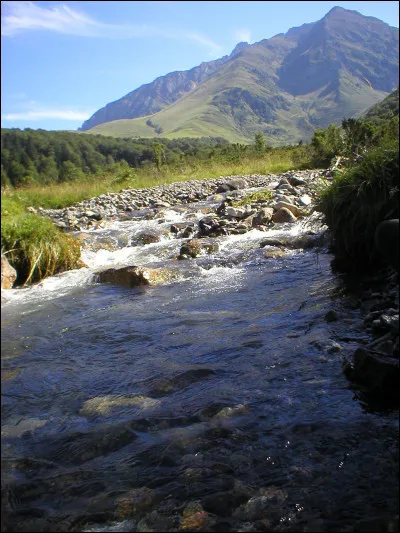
pixel 215 401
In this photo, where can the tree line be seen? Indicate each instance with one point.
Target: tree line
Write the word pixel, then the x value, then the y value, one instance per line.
pixel 40 157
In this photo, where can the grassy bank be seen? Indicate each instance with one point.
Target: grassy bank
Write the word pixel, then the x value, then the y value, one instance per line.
pixel 37 249
pixel 357 201
pixel 64 194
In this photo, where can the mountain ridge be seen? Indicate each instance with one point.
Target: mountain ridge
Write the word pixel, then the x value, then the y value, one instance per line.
pixel 285 86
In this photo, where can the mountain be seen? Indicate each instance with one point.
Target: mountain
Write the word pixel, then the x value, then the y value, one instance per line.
pixel 285 86
pixel 385 110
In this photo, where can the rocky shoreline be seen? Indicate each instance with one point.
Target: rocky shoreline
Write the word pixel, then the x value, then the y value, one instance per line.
pixel 87 214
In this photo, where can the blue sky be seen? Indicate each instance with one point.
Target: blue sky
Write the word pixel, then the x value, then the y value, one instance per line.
pixel 62 61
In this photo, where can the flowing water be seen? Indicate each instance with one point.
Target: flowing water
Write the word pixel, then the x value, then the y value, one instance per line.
pixel 214 402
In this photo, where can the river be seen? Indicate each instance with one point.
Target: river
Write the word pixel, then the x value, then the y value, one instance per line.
pixel 213 402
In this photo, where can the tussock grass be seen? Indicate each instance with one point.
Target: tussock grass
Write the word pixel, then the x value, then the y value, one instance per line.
pixel 36 248
pixel 253 198
pixel 357 201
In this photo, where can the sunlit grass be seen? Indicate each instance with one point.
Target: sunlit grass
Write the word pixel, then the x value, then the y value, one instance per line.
pixel 65 194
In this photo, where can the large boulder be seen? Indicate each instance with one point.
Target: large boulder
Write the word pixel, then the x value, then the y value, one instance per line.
pixel 375 371
pixel 8 273
pixel 133 276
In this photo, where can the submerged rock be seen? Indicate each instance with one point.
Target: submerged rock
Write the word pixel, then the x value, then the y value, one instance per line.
pixel 135 503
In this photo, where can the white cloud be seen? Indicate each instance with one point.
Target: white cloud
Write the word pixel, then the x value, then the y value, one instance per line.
pixel 19 16
pixel 243 35
pixel 56 114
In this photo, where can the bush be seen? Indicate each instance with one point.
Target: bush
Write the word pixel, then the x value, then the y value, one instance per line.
pixel 36 248
pixel 357 201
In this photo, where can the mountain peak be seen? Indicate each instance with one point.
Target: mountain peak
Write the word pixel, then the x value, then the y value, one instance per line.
pixel 238 48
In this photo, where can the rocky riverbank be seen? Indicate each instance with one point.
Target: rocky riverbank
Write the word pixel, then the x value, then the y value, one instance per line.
pixel 123 205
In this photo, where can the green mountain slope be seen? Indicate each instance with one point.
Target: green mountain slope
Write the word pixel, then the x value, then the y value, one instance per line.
pixel 385 110
pixel 285 87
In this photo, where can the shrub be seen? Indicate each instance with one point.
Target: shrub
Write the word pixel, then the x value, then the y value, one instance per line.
pixel 357 201
pixel 36 248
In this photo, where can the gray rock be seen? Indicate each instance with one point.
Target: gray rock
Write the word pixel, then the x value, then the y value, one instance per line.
pixel 263 216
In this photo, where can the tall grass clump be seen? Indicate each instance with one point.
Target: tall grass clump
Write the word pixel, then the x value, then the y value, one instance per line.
pixel 36 248
pixel 356 202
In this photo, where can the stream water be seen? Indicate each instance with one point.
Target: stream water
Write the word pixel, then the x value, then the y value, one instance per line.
pixel 213 402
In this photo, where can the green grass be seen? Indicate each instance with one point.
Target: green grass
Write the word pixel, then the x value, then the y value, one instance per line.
pixel 357 201
pixel 35 247
pixel 253 198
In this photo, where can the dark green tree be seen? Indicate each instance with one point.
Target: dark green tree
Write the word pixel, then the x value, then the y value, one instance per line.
pixel 259 143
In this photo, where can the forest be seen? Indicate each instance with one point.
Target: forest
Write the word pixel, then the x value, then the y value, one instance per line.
pixel 39 157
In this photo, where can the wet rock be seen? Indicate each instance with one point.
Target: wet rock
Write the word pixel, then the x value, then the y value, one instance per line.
pixel 268 504
pixel 379 373
pixel 271 242
pixel 135 503
pixel 133 276
pixel 164 386
pixel 305 200
pixel 195 518
pixel 331 316
pixel 197 247
pixel 8 273
pixel 80 447
pixel 208 225
pixel 156 521
pixel 273 252
pixel 146 237
pixel 283 215
pixel 333 347
pixel 103 405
